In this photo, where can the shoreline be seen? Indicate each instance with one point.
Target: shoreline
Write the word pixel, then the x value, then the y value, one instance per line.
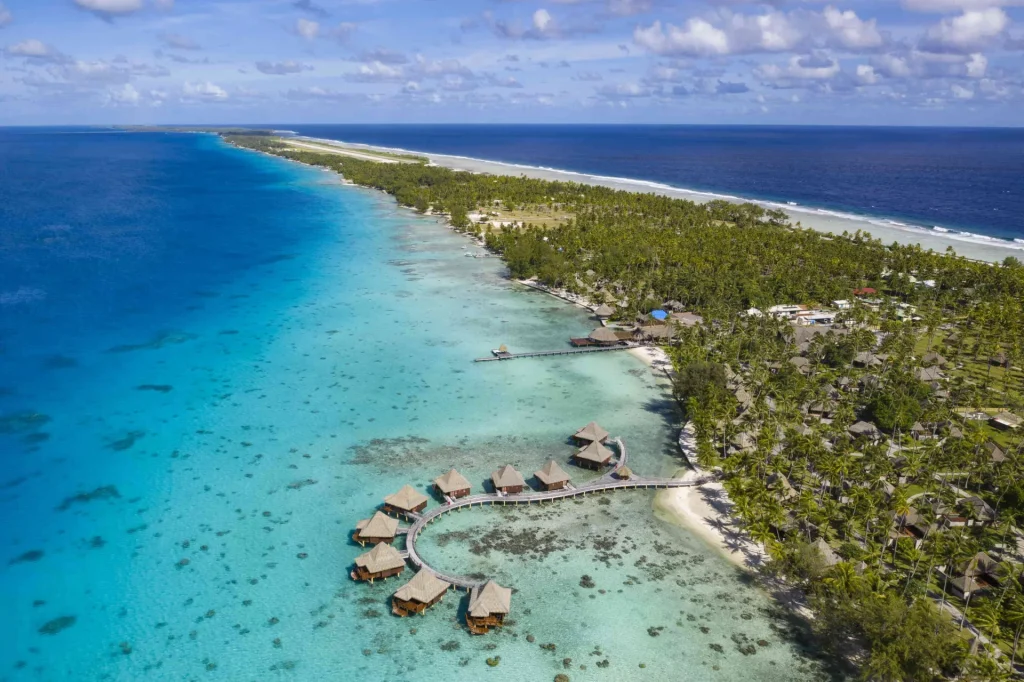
pixel 966 244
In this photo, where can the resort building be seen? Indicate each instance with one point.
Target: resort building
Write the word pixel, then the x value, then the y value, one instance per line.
pixel 786 311
pixel 603 336
pixel 978 574
pixel 377 529
pixel 604 311
pixel 383 561
pixel 687 319
pixel 453 484
pixel 593 455
pixel 816 317
pixel 488 606
pixel 842 304
pixel 405 501
pixel 865 430
pixel 507 480
pixel 419 594
pixel 1006 421
pixel 551 476
pixel 590 433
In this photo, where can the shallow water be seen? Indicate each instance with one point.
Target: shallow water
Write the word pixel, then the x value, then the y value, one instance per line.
pixel 216 362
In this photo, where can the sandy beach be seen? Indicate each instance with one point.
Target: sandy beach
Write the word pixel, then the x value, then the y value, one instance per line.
pixel 977 247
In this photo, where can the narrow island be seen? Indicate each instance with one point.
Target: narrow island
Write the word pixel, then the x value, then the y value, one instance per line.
pixel 858 403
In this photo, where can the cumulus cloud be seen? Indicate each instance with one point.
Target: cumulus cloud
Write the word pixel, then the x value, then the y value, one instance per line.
pixel 312 8
pixel 176 41
pixel 376 72
pixel 282 68
pixel 384 56
pixel 928 65
pixel 319 93
pixel 960 92
pixel 944 6
pixel 542 26
pixel 306 28
pixel 34 50
pixel 619 91
pixel 728 33
pixel 728 88
pixel 126 94
pixel 110 8
pixel 969 32
pixel 5 15
pixel 806 68
pixel 203 92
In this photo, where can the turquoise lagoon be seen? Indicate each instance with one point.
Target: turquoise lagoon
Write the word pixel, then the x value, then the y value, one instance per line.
pixel 215 362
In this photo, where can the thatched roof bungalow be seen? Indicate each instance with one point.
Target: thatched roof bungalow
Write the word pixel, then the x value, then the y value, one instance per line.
pixel 405 501
pixel 507 480
pixel 552 476
pixel 604 311
pixel 381 562
pixel 593 455
pixel 378 528
pixel 419 594
pixel 590 433
pixel 452 484
pixel 604 336
pixel 488 606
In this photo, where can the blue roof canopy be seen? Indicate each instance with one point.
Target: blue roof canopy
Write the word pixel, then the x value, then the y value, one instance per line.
pixel 659 314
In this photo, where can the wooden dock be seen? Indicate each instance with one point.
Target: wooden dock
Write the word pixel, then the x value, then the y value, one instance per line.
pixel 605 483
pixel 563 351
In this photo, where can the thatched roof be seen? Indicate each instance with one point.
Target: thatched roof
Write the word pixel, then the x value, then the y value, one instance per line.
pixel 624 473
pixel 864 429
pixel 604 335
pixel 424 587
pixel 929 374
pixel 995 453
pixel 551 473
pixel 451 482
pixel 1008 419
pixel 604 310
pixel 492 598
pixel 827 553
pixel 594 452
pixel 934 359
pixel 656 331
pixel 382 557
pixel 507 477
pixel 407 498
pixel 591 432
pixel 380 525
pixel 866 359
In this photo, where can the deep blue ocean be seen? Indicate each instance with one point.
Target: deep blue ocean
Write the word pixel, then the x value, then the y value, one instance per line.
pixel 964 179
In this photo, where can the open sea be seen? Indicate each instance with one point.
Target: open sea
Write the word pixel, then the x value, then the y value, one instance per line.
pixel 213 363
pixel 938 179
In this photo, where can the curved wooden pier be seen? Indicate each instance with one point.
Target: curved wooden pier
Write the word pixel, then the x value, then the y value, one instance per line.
pixel 606 482
pixel 562 351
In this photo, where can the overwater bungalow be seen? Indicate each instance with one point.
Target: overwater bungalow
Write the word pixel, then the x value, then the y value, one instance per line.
pixel 488 606
pixel 551 476
pixel 381 562
pixel 593 455
pixel 590 433
pixel 419 594
pixel 453 484
pixel 378 528
pixel 603 336
pixel 507 480
pixel 405 501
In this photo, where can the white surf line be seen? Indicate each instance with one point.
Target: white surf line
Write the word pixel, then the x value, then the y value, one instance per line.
pixel 344 152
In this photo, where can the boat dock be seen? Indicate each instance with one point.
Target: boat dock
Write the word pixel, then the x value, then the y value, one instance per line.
pixel 564 351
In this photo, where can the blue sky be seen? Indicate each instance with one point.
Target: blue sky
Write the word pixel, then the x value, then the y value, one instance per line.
pixel 904 62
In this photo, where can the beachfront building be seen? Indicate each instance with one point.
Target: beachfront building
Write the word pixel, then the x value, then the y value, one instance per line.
pixel 593 455
pixel 1006 421
pixel 453 484
pixel 604 311
pixel 419 594
pixel 864 429
pixel 507 480
pixel 842 304
pixel 377 529
pixel 603 336
pixel 380 563
pixel 687 319
pixel 786 311
pixel 816 317
pixel 590 433
pixel 488 606
pixel 405 501
pixel 551 476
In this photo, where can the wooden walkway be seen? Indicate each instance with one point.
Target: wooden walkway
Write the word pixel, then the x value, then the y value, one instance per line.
pixel 564 351
pixel 605 483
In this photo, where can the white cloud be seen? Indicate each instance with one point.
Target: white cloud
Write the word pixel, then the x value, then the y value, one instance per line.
pixel 307 29
pixel 282 68
pixel 866 75
pixel 179 42
pixel 924 65
pixel 977 65
pixel 970 32
pixel 850 31
pixel 126 94
pixel 542 20
pixel 809 68
pixel 727 32
pixel 110 7
pixel 960 92
pixel 944 6
pixel 32 49
pixel 5 15
pixel 618 91
pixel 204 92
pixel 376 72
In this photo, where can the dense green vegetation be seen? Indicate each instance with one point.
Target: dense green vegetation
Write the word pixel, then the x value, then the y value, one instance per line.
pixel 862 461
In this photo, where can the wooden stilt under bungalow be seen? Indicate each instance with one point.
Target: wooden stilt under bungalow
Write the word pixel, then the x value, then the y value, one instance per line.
pixel 592 456
pixel 551 476
pixel 590 433
pixel 488 606
pixel 376 529
pixel 381 562
pixel 419 594
pixel 453 484
pixel 507 480
pixel 405 500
